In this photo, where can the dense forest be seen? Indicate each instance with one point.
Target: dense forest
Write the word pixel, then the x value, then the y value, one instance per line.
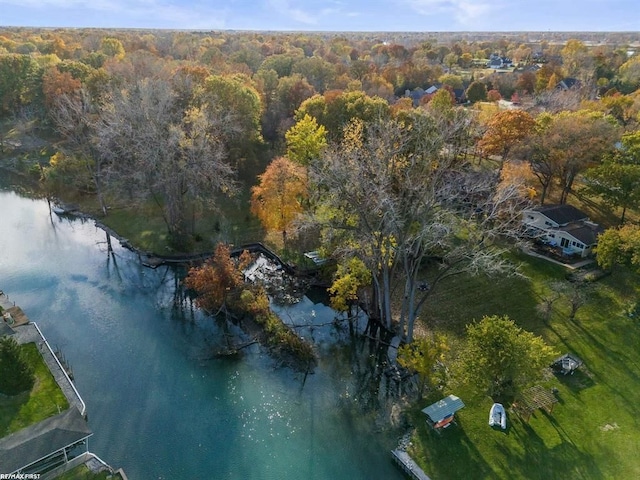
pixel 387 150
pixel 400 164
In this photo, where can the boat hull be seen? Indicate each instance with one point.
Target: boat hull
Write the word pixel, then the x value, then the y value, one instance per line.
pixel 498 416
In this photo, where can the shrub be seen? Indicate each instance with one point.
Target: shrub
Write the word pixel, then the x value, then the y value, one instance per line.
pixel 16 375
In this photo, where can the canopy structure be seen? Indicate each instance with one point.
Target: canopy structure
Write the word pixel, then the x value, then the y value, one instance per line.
pixel 441 414
pixel 566 364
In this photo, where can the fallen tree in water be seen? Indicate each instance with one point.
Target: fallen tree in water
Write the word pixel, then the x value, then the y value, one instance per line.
pixel 221 287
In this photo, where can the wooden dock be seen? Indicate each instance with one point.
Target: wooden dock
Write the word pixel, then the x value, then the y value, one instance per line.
pixel 408 466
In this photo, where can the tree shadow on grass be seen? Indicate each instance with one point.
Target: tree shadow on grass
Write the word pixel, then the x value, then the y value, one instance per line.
pixel 451 454
pixel 10 407
pixel 616 362
pixel 535 459
pixel 576 381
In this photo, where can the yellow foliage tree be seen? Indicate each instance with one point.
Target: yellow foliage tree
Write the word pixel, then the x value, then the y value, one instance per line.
pixel 425 356
pixel 280 195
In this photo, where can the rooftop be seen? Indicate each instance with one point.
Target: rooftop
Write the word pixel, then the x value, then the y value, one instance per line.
pixel 562 214
pixel 443 408
pixel 38 441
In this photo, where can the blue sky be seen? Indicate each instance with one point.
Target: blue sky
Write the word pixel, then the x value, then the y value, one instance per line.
pixel 329 15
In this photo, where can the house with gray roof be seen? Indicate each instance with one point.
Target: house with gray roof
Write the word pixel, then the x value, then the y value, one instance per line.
pixel 563 226
pixel 45 445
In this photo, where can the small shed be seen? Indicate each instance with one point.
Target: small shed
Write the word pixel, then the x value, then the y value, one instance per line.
pixel 441 414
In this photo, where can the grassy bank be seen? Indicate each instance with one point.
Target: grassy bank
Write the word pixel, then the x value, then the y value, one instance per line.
pixel 593 432
pixel 42 401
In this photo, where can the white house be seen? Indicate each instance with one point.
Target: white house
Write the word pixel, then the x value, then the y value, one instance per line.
pixel 564 226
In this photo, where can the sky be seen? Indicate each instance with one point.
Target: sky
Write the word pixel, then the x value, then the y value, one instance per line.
pixel 328 15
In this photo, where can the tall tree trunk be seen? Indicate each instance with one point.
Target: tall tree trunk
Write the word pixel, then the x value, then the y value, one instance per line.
pixel 543 196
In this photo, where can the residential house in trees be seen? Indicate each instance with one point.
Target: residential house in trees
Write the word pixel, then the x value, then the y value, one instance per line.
pixel 568 83
pixel 496 61
pixel 562 226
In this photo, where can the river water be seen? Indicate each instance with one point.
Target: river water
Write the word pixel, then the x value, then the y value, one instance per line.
pixel 159 406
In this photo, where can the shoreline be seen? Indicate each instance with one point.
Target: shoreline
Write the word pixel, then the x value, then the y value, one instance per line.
pixel 25 331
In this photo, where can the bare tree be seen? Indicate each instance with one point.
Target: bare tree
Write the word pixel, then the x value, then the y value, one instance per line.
pixel 75 116
pixel 393 195
pixel 163 152
pixel 576 294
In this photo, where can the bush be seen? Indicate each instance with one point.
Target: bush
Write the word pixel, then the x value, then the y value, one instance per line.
pixel 16 375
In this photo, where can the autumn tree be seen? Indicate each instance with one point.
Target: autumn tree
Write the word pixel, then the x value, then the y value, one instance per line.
pixel 619 246
pixel 453 81
pixel 317 71
pixel 390 195
pixel 219 280
pixel 442 101
pixel 578 140
pixel 617 179
pixel 291 92
pixel 564 145
pixel 500 358
pixel 164 153
pixel 56 83
pixel 629 74
pixel 493 96
pixel 334 110
pixel 535 149
pixel 576 58
pixel 75 116
pixel 305 140
pixel 476 92
pixel 349 279
pixel 504 130
pixel 235 98
pixel 425 357
pixel 19 82
pixel 112 47
pixel 279 197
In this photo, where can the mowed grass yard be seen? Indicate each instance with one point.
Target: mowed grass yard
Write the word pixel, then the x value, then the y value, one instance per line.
pixel 42 401
pixel 594 430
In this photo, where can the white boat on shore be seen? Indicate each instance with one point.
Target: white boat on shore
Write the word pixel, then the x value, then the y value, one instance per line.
pixel 498 416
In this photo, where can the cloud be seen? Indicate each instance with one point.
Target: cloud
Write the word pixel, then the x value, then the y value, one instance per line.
pixel 130 13
pixel 284 8
pixel 467 13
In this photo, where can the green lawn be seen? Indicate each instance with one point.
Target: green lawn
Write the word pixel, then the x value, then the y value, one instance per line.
pixel 44 400
pixel 594 430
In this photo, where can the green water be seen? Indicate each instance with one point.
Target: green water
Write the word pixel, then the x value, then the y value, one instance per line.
pixel 158 405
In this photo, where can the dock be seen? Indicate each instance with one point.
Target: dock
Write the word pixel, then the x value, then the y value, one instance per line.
pixel 408 466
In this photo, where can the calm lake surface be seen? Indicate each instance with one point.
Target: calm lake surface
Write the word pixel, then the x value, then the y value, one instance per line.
pixel 158 405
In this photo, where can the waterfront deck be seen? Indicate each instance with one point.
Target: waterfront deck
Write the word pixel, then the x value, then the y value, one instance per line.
pixel 407 464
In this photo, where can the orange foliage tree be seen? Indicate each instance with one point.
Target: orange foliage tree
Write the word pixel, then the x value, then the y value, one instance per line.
pixel 218 280
pixel 504 130
pixel 56 83
pixel 280 195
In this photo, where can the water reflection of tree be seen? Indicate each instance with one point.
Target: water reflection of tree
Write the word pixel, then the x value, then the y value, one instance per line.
pixel 363 362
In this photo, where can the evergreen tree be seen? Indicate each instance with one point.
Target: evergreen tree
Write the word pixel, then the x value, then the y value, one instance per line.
pixel 16 375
